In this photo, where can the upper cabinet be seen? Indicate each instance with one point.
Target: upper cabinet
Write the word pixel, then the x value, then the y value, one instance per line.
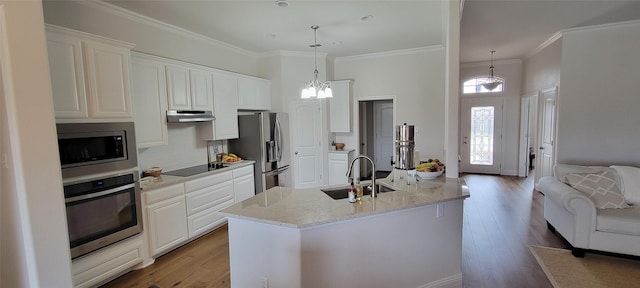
pixel 225 108
pixel 150 101
pixel 89 76
pixel 340 106
pixel 254 93
pixel 189 88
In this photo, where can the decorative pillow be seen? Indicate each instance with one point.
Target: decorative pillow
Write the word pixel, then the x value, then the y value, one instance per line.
pixel 601 188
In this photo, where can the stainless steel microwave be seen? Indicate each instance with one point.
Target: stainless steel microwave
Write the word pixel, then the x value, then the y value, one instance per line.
pixel 93 148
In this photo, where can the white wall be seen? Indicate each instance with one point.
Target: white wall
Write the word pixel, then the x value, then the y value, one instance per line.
pixel 598 119
pixel 415 78
pixel 511 71
pixel 542 70
pixel 34 241
pixel 150 36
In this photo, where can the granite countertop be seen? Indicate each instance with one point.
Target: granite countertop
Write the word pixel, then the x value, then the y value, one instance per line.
pixel 167 180
pixel 301 208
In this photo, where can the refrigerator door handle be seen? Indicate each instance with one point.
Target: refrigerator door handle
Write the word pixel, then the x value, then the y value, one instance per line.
pixel 278 136
pixel 277 171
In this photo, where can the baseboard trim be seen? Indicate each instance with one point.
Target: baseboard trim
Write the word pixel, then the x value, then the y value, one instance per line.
pixel 451 281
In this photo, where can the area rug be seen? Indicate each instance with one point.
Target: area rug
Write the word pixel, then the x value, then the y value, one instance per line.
pixel 566 271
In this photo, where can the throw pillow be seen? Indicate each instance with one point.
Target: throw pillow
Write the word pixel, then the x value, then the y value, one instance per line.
pixel 601 188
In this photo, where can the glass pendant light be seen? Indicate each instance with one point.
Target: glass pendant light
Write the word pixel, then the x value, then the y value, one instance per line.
pixel 315 88
pixel 492 83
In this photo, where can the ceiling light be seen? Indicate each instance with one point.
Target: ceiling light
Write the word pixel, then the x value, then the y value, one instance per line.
pixel 315 88
pixel 282 3
pixel 492 83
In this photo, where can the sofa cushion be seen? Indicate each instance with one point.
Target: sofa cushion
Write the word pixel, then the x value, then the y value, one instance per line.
pixel 623 221
pixel 600 187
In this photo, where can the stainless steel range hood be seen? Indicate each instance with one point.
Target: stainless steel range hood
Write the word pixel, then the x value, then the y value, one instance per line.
pixel 182 116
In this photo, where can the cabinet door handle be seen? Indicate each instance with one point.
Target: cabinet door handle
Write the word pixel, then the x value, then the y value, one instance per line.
pixel 296 153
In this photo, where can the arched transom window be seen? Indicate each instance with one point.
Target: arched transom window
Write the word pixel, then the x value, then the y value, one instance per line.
pixel 474 85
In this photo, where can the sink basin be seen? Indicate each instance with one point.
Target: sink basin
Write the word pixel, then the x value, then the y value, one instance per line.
pixel 343 192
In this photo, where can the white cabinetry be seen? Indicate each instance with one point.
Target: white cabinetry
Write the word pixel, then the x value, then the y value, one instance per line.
pixel 339 162
pixel 89 76
pixel 189 88
pixel 150 101
pixel 205 197
pixel 243 183
pixel 167 218
pixel 340 106
pixel 225 108
pixel 97 268
pixel 254 93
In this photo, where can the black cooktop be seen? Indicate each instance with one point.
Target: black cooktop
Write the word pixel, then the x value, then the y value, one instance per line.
pixel 190 171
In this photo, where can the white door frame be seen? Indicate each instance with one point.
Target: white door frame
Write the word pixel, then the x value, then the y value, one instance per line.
pixel 356 113
pixel 525 139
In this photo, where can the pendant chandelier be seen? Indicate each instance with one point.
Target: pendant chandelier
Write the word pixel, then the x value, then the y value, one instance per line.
pixel 315 88
pixel 493 83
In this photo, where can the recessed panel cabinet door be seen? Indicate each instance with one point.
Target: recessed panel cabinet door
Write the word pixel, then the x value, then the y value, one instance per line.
pixel 168 224
pixel 150 99
pixel 201 90
pixel 178 88
pixel 67 76
pixel 108 80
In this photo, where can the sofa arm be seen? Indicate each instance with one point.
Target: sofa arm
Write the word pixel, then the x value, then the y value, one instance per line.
pixel 576 203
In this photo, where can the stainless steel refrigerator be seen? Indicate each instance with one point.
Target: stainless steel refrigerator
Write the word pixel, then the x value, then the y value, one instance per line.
pixel 264 137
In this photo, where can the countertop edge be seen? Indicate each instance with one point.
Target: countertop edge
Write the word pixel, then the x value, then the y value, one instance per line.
pixel 168 180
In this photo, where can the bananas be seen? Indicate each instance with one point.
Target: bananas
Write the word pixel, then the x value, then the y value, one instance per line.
pixel 231 158
pixel 430 166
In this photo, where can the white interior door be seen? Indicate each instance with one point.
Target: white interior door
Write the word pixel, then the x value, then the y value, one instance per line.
pixel 306 124
pixel 383 127
pixel 481 139
pixel 545 156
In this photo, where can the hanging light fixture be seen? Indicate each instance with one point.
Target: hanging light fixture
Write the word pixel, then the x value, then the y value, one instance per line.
pixel 315 88
pixel 493 83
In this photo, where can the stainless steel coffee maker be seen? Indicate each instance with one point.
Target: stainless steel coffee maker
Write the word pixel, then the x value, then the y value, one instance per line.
pixel 405 146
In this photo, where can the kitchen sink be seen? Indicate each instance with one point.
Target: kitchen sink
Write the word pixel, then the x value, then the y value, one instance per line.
pixel 343 192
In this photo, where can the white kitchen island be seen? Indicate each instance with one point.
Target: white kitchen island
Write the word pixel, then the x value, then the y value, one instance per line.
pixel 289 237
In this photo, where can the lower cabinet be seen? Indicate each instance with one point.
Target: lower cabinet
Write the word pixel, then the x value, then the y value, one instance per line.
pixel 243 183
pixel 205 197
pixel 97 268
pixel 166 218
pixel 180 212
pixel 339 162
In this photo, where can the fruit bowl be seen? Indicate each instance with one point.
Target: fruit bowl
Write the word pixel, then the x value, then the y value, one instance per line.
pixel 429 175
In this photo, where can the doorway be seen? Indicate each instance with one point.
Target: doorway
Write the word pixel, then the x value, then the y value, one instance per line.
pixel 481 135
pixel 376 124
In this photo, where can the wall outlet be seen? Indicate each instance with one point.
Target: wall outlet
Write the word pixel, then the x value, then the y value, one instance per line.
pixel 264 282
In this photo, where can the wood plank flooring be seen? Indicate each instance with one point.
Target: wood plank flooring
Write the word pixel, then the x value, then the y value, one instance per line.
pixel 503 216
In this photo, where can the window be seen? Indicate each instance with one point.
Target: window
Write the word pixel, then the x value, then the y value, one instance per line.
pixel 475 85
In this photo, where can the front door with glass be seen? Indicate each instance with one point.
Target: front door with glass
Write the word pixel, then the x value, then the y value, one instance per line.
pixel 481 135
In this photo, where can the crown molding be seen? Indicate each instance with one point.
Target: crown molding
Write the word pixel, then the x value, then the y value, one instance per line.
pixel 136 17
pixel 287 53
pixel 544 45
pixel 601 26
pixel 391 53
pixel 485 63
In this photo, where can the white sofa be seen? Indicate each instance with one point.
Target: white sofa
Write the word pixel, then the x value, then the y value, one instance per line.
pixel 575 217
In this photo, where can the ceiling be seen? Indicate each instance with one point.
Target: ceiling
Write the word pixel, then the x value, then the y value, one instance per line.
pixel 513 28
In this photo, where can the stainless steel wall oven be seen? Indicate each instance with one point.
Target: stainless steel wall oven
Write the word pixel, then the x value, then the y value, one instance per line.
pixel 102 211
pixel 101 189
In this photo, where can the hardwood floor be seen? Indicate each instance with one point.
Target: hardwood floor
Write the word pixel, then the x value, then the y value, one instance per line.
pixel 503 216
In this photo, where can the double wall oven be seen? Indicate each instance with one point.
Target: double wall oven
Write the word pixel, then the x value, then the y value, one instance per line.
pixel 101 189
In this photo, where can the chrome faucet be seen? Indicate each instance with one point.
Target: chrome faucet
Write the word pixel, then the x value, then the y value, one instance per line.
pixel 373 177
